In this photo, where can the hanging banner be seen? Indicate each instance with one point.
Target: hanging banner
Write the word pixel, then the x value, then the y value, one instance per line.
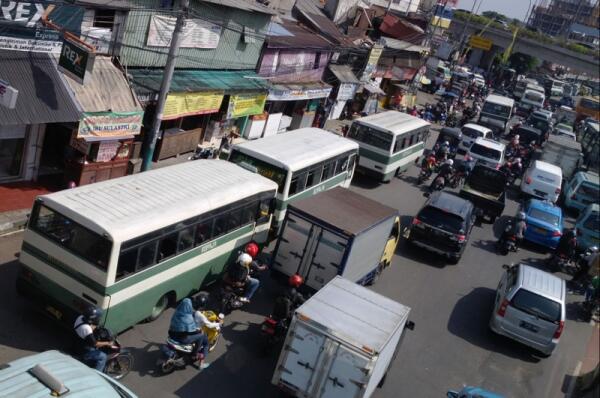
pixel 187 104
pixel 297 93
pixel 346 91
pixel 196 33
pixel 110 124
pixel 75 60
pixel 21 27
pixel 97 37
pixel 246 105
pixel 372 61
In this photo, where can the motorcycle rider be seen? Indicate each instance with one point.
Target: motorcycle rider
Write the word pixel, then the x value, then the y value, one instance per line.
pixel 428 163
pixel 447 169
pixel 290 300
pixel 84 327
pixel 441 152
pixel 238 275
pixel 185 329
pixel 517 230
pixel 591 258
pixel 567 245
pixel 200 303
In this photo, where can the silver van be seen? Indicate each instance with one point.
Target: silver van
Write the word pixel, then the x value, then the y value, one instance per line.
pixel 530 307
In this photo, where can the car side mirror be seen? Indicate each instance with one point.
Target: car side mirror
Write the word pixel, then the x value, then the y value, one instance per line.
pixel 426 194
pixel 410 325
pixel 506 266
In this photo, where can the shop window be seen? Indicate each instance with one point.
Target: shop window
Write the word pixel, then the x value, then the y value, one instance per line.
pixel 126 265
pixel 186 240
pixel 147 255
pixel 167 246
pixel 104 18
pixel 204 231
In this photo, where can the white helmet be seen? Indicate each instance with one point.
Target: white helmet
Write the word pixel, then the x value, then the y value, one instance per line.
pixel 449 162
pixel 517 160
pixel 244 259
pixel 516 137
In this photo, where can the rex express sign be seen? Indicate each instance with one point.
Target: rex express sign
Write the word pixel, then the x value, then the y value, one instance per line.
pixel 21 26
pixel 74 60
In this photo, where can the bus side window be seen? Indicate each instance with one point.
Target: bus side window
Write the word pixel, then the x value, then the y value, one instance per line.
pixel 249 212
pixel 328 169
pixel 167 246
pixel 186 239
pixel 298 183
pixel 264 209
pixel 234 220
pixel 342 165
pixel 221 224
pixel 126 265
pixel 147 255
pixel 204 231
pixel 314 177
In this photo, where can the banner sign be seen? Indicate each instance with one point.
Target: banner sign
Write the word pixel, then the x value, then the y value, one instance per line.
pixel 107 150
pixel 196 33
pixel 75 60
pixel 21 27
pixel 186 104
pixel 8 95
pixel 480 42
pixel 246 105
pixel 372 61
pixel 97 37
pixel 110 124
pixel 290 94
pixel 346 91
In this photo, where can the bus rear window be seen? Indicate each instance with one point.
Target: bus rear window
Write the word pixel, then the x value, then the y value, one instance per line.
pixel 496 109
pixel 71 236
pixel 261 167
pixel 371 136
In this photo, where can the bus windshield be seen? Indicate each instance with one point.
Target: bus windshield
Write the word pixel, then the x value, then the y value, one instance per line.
pixel 496 109
pixel 71 236
pixel 589 103
pixel 261 167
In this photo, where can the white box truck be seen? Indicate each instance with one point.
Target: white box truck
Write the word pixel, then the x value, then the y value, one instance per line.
pixel 336 232
pixel 341 343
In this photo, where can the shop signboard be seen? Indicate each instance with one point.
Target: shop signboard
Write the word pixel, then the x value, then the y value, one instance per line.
pixel 480 42
pixel 21 27
pixel 75 60
pixel 187 104
pixel 107 150
pixel 8 95
pixel 346 91
pixel 110 124
pixel 79 143
pixel 100 38
pixel 246 105
pixel 196 33
pixel 283 93
pixel 372 61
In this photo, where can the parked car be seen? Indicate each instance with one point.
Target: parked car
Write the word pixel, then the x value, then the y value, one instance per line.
pixel 530 307
pixel 563 129
pixel 54 374
pixel 487 152
pixel 544 222
pixel 588 224
pixel 443 225
pixel 471 132
pixel 582 190
pixel 542 180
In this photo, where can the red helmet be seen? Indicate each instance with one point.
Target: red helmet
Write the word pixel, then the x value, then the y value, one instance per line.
pixel 252 249
pixel 296 281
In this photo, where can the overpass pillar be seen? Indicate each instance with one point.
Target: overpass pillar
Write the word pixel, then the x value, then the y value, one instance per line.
pixel 475 57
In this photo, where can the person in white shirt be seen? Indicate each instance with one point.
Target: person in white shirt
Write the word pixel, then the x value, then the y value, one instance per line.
pixel 84 327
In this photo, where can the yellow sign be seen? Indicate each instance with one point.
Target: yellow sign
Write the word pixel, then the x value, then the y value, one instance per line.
pixel 246 105
pixel 187 104
pixel 443 23
pixel 480 42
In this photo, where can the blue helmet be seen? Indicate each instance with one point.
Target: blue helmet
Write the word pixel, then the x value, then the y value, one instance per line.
pixel 92 315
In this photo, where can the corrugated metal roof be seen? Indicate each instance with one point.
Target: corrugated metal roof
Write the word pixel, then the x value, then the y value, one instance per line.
pixel 396 44
pixel 130 206
pixel 345 210
pixel 147 81
pixel 343 73
pixel 251 6
pixel 303 38
pixel 105 89
pixel 313 15
pixel 43 98
pixel 106 4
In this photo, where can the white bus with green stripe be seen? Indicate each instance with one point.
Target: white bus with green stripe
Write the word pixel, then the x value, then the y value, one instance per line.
pixel 302 162
pixel 136 244
pixel 389 141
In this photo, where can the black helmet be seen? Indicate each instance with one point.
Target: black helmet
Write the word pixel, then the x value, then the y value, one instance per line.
pixel 92 315
pixel 201 301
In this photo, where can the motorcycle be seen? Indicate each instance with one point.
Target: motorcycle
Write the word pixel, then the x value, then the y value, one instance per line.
pixel 456 179
pixel 273 332
pixel 203 153
pixel 508 242
pixel 559 262
pixel 424 175
pixel 176 355
pixel 119 360
pixel 438 184
pixel 231 297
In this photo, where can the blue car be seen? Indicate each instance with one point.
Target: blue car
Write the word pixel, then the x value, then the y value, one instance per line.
pixel 544 223
pixel 472 392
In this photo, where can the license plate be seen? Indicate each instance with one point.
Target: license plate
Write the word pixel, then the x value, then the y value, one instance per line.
pixel 56 313
pixel 539 193
pixel 529 326
pixel 541 231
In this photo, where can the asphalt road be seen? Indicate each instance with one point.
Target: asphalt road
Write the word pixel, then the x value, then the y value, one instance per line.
pixel 450 346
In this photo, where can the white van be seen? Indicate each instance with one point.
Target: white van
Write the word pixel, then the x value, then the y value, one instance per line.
pixel 471 132
pixel 542 180
pixel 487 152
pixel 531 100
pixel 496 112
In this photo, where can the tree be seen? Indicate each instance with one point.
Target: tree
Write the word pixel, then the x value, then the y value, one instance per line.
pixel 496 16
pixel 522 63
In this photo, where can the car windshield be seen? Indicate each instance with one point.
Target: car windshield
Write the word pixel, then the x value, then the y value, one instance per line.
pixel 469 132
pixel 441 219
pixel 536 97
pixel 496 109
pixel 564 127
pixel 590 104
pixel 537 305
pixel 546 217
pixel 490 153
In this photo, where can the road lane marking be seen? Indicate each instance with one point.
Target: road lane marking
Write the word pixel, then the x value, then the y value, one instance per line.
pixel 573 380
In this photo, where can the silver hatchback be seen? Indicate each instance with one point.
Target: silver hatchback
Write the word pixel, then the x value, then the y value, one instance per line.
pixel 530 307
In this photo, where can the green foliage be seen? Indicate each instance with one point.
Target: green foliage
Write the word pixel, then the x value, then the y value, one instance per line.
pixel 495 15
pixel 522 63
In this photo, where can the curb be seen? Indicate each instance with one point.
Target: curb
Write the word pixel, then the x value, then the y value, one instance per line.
pixel 12 224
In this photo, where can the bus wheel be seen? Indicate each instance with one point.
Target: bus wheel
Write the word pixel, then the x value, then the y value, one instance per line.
pixel 160 306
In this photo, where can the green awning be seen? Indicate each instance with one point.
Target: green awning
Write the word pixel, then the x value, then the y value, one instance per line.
pixel 146 82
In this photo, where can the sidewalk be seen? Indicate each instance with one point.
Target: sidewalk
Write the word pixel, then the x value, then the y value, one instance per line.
pixel 589 372
pixel 16 200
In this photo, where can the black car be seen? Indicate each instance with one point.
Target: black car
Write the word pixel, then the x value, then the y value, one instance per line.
pixel 443 225
pixel 529 134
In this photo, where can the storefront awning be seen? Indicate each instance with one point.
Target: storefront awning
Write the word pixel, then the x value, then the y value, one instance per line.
pixel 344 73
pixel 146 82
pixel 42 97
pixel 298 91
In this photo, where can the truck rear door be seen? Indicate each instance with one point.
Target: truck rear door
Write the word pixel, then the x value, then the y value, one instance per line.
pixel 326 259
pixel 302 358
pixel 348 374
pixel 293 244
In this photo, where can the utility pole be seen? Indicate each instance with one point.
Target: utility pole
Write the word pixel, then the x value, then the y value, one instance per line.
pixel 151 137
pixel 466 23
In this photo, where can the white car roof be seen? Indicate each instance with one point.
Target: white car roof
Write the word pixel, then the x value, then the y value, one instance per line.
pixel 542 282
pixel 498 99
pixel 486 142
pixel 547 167
pixel 478 127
